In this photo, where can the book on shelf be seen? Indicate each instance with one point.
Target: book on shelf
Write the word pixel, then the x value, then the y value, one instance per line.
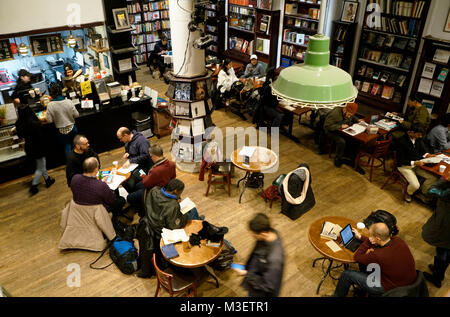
pixel 330 230
pixel 263 46
pixel 376 75
pixel 358 84
pixel 375 89
pixel 424 85
pixel 384 58
pixel 264 26
pixel 362 70
pixel 369 72
pixel 397 97
pixel 198 126
pixel 384 76
pixel 183 91
pixel 443 74
pixel 389 41
pixel 388 92
pixel 365 86
pixel 441 56
pixel 428 70
pixel 428 104
pixel 340 33
pixel 291 8
pixel 244 46
pixel 185 151
pixel 436 88
pixel 400 80
pixel 395 59
pixel 406 64
pixel 400 43
pixel 386 124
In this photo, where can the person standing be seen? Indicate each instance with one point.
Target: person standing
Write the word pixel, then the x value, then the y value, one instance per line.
pixel 62 112
pixel 76 157
pixel 29 127
pixel 264 268
pixel 22 88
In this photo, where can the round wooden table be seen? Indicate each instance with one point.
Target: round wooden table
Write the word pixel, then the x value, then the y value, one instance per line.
pixel 344 256
pixel 261 160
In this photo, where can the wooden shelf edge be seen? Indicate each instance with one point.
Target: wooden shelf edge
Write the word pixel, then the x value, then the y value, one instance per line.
pixel 103 50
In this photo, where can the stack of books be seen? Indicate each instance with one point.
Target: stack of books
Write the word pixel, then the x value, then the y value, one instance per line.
pixel 386 124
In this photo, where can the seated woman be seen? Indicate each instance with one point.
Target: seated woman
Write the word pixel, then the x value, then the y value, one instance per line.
pixel 226 77
pixel 267 110
pixel 296 192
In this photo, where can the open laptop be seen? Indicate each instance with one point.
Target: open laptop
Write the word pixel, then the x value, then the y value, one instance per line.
pixel 348 239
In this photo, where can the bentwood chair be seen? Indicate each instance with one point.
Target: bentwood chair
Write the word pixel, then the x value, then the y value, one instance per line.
pixel 173 282
pixel 379 153
pixel 396 177
pixel 223 171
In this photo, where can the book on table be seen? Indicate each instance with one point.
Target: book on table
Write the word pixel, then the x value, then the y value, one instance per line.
pixel 330 230
pixel 169 251
pixel 173 236
pixel 355 129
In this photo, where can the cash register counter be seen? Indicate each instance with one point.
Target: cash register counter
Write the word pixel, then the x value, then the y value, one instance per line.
pixel 99 127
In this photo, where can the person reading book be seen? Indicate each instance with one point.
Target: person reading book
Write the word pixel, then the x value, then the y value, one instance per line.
pixel 342 118
pixel 416 115
pixel 162 210
pixel 254 69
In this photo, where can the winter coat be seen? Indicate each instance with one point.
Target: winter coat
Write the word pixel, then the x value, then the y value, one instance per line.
pixel 31 130
pixel 295 187
pixel 137 149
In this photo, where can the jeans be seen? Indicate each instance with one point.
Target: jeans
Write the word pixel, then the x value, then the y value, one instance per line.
pixel 67 139
pixel 193 214
pixel 41 170
pixel 136 198
pixel 349 278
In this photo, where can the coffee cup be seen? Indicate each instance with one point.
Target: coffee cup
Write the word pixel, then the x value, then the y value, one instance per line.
pixel 442 168
pixel 37 90
pixel 115 164
pixel 32 93
pixel 360 225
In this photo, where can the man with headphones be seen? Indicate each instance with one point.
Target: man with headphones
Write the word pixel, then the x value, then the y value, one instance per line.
pixel 384 251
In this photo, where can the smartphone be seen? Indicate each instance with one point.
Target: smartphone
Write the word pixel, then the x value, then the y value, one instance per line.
pixel 246 161
pixel 237 266
pixel 141 172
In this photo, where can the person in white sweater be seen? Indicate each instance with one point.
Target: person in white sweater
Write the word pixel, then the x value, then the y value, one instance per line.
pixel 226 77
pixel 62 112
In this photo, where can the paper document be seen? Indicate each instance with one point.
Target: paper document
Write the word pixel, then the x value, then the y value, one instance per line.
pixel 333 246
pixel 355 129
pixel 123 192
pixel 247 151
pixel 173 236
pixel 116 181
pixel 431 160
pixel 130 168
pixel 186 205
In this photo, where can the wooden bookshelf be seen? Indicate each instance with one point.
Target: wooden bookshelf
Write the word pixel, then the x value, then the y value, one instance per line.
pixel 389 50
pixel 251 32
pixel 440 104
pixel 342 38
pixel 216 28
pixel 300 21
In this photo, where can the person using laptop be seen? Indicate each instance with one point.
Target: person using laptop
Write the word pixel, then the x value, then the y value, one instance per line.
pixel 349 239
pixel 392 255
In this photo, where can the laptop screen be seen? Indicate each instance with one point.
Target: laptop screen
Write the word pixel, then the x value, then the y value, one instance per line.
pixel 346 234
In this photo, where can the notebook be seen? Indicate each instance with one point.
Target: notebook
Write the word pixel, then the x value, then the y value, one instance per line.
pixel 169 251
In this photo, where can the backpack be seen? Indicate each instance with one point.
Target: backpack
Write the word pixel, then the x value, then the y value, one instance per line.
pixel 225 257
pixel 256 180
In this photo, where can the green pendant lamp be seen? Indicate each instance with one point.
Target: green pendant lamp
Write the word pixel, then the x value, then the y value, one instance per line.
pixel 315 83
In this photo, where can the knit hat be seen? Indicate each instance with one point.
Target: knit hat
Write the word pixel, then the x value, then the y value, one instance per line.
pixel 351 107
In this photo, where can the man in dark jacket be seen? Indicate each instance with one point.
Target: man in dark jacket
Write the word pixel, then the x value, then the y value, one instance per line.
pixel 156 60
pixel 410 150
pixel 136 151
pixel 341 118
pixel 264 268
pixel 269 102
pixel 396 266
pixel 162 210
pixel 437 231
pixel 296 192
pixel 76 157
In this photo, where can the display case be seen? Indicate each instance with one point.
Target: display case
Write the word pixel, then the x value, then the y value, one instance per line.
pixel 11 147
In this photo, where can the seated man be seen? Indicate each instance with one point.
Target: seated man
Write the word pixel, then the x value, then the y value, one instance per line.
pixel 417 115
pixel 156 60
pixel 254 69
pixel 159 175
pixel 269 102
pixel 162 210
pixel 410 150
pixel 342 118
pixel 136 151
pixel 76 157
pixel 439 137
pixel 395 263
pixel 88 190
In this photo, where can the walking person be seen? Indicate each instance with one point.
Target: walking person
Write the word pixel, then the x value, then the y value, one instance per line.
pixel 62 112
pixel 29 127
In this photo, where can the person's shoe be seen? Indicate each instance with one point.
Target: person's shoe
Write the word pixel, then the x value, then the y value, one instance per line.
pixel 432 279
pixel 34 190
pixel 424 199
pixel 408 198
pixel 337 162
pixel 360 170
pixel 49 182
pixel 431 267
pixel 141 275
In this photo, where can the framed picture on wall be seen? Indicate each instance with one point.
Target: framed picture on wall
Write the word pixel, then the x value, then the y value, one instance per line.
pixel 447 23
pixel 121 19
pixel 349 11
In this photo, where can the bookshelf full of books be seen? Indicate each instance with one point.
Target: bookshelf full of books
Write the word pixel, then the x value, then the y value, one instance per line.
pixel 431 83
pixel 343 36
pixel 150 20
pixel 252 29
pixel 301 19
pixel 216 28
pixel 388 49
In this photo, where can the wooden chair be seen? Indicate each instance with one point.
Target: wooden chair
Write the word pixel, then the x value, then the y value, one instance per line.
pixel 174 283
pixel 396 176
pixel 276 193
pixel 223 170
pixel 379 153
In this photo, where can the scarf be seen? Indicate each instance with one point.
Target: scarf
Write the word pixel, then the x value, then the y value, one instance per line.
pixel 301 198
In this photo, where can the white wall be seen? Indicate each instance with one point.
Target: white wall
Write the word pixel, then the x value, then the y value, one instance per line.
pixel 437 17
pixel 26 15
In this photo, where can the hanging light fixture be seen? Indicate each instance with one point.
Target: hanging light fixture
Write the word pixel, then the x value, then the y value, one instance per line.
pixel 71 41
pixel 315 83
pixel 23 49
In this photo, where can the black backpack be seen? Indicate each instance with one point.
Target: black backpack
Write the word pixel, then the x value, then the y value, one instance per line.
pixel 256 180
pixel 225 258
pixel 385 217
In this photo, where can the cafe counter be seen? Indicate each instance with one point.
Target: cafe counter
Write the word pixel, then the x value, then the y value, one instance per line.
pixel 99 126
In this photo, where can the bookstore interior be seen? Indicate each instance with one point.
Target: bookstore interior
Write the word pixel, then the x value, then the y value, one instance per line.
pixel 158 67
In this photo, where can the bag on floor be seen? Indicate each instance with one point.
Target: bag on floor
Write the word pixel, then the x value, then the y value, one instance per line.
pixel 225 257
pixel 256 180
pixel 124 255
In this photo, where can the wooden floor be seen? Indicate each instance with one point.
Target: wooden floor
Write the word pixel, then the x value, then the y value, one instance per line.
pixel 32 265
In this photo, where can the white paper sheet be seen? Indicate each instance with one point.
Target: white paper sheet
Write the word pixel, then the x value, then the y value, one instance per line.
pixel 186 205
pixel 333 246
pixel 355 129
pixel 116 181
pixel 130 168
pixel 173 236
pixel 247 151
pixel 123 192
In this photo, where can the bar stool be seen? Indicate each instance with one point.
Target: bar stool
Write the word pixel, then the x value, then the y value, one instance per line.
pixel 223 170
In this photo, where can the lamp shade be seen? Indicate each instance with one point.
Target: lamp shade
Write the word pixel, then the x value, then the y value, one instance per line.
pixel 23 49
pixel 315 83
pixel 71 41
